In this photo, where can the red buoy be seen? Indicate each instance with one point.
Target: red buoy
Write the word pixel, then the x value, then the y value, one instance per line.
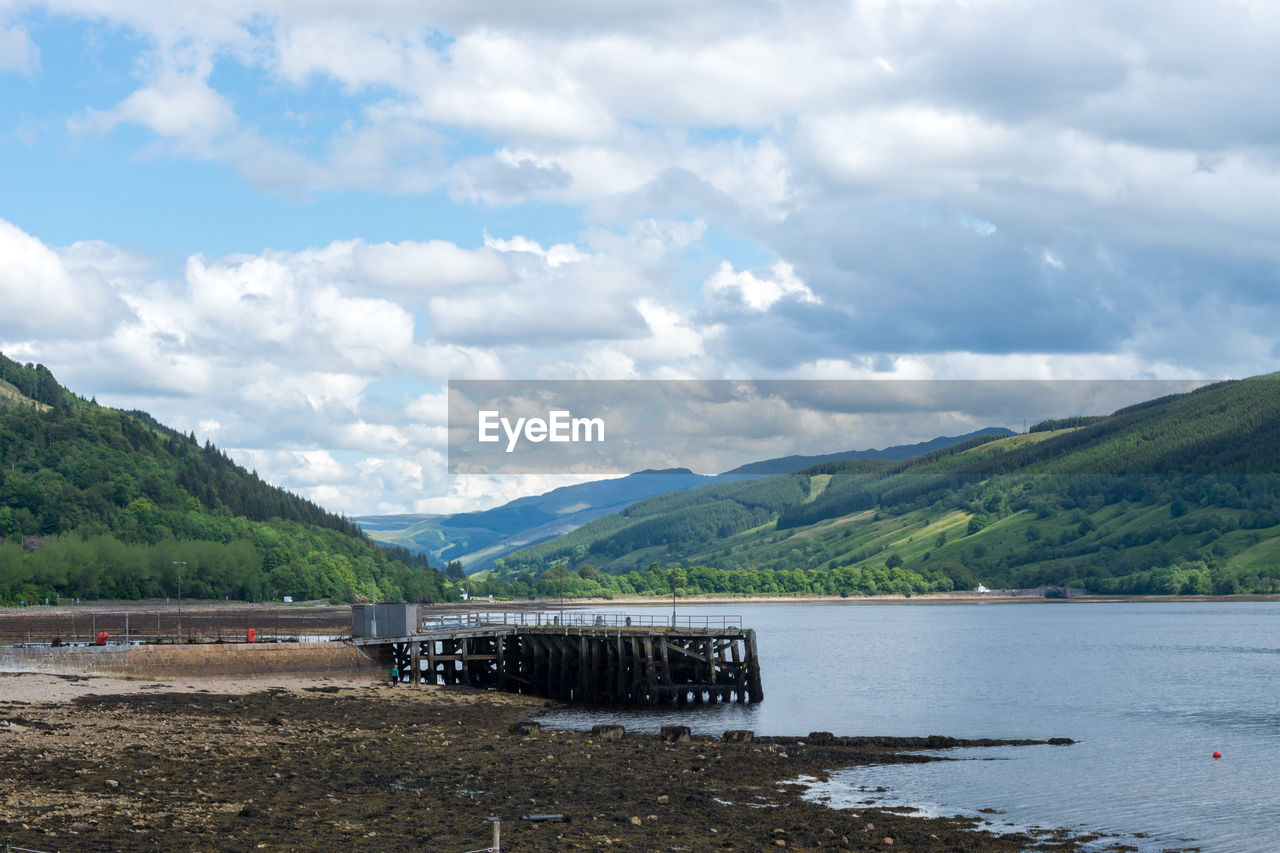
pixel 1216 755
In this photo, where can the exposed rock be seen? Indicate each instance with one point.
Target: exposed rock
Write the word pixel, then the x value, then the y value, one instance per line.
pixel 676 734
pixel 608 732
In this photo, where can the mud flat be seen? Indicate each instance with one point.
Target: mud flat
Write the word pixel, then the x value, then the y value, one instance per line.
pixel 90 764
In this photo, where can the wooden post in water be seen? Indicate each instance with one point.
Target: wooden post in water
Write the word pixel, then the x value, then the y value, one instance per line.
pixel 620 672
pixel 753 669
pixel 738 674
pixel 503 682
pixel 650 671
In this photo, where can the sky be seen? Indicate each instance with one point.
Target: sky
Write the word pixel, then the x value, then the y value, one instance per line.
pixel 285 226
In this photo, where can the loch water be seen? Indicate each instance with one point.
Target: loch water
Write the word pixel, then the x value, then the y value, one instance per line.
pixel 1149 689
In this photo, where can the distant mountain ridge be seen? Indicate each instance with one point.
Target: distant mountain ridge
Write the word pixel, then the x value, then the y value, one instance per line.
pixel 788 464
pixel 479 538
pixel 1176 495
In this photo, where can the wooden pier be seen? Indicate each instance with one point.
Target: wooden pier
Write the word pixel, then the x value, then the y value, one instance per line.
pixel 581 657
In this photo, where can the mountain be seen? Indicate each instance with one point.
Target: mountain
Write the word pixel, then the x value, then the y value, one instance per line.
pixel 479 539
pixel 102 503
pixel 788 464
pixel 1176 495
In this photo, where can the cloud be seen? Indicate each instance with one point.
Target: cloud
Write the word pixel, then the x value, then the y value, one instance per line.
pixel 43 296
pixel 356 55
pixel 18 52
pixel 499 180
pixel 279 355
pixel 505 84
pixel 755 293
pixel 555 256
pixel 177 107
pixel 427 266
pixel 926 188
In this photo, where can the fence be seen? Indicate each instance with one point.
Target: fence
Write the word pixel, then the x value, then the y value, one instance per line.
pixel 38 627
pixel 42 628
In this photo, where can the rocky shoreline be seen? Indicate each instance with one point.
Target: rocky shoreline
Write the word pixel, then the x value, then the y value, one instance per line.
pixel 103 764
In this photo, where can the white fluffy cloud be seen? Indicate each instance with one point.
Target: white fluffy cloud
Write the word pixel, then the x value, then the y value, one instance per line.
pixel 176 106
pixel 17 51
pixel 924 188
pixel 291 359
pixel 430 266
pixel 43 295
pixel 756 293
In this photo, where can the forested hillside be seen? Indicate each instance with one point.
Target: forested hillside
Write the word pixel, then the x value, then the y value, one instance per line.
pixel 97 502
pixel 1176 495
pixel 478 540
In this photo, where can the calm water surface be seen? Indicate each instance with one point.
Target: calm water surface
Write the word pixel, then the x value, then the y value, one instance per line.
pixel 1149 689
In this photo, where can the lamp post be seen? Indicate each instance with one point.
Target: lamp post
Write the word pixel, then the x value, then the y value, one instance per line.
pixel 561 564
pixel 673 589
pixel 179 563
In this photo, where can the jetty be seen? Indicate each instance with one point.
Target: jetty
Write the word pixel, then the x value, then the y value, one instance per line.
pixel 566 655
pixel 570 656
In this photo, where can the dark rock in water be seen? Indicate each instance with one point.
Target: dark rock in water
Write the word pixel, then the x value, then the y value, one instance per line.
pixel 820 737
pixel 526 727
pixel 1060 741
pixel 739 736
pixel 608 732
pixel 676 734
pixel 931 742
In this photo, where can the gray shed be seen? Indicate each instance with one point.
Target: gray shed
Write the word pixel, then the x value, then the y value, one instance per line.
pixel 383 620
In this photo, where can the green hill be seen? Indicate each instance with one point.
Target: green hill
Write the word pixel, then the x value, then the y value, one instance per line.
pixel 479 539
pixel 101 503
pixel 1176 495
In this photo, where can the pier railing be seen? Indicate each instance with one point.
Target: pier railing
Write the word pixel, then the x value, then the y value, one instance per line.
pixel 571 618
